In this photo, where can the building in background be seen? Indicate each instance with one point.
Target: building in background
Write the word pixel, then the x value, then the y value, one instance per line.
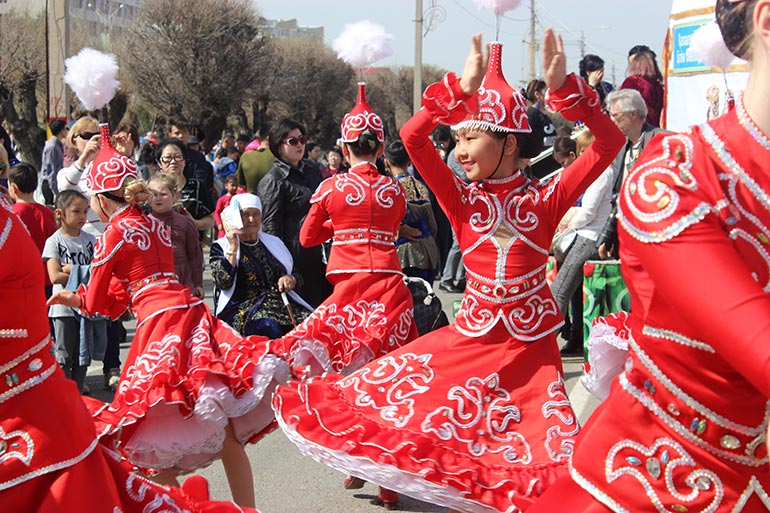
pixel 289 29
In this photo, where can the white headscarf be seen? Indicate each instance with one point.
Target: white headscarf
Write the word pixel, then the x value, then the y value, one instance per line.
pixel 274 245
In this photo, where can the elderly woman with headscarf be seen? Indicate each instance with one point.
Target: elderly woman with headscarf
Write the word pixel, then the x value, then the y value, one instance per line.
pixel 252 270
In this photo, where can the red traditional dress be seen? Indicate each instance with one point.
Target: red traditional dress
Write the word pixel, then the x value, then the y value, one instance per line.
pixel 684 427
pixel 50 461
pixel 187 373
pixel 370 311
pixel 473 416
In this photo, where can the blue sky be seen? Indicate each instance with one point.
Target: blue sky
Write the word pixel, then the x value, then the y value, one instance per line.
pixel 609 27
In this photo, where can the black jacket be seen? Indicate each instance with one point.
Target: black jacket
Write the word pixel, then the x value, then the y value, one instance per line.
pixel 285 192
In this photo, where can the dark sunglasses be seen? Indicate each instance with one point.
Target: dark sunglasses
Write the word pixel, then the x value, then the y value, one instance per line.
pixel 86 136
pixel 295 141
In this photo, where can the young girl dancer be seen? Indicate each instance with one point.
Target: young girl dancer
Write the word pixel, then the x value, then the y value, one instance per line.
pixel 192 389
pixel 370 311
pixel 50 461
pixel 684 427
pixel 473 416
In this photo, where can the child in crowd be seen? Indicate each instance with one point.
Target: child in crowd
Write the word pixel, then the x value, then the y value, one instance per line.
pixel 39 220
pixel 67 247
pixel 188 257
pixel 231 189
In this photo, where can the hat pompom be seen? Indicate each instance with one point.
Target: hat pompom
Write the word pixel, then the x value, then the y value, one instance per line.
pixel 499 7
pixel 708 46
pixel 92 76
pixel 363 43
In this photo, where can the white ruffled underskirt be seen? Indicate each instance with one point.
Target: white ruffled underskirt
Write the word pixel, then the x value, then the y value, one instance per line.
pixel 387 476
pixel 165 439
pixel 606 357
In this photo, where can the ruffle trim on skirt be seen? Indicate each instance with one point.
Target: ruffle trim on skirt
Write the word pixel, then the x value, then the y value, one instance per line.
pixel 406 461
pixel 607 350
pixel 166 438
pixel 311 358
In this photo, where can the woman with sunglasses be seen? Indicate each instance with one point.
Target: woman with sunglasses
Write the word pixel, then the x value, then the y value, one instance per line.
pixel 285 192
pixel 194 196
pixel 83 138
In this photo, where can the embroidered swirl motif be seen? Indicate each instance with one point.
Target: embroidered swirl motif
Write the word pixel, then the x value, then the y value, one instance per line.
pixel 358 333
pixel 109 174
pixel 650 207
pixel 482 418
pixel 16 445
pixel 664 458
pixel 348 181
pixel 359 122
pixel 141 491
pixel 519 210
pixel 491 109
pixel 650 192
pixel 387 191
pixel 526 318
pixel 561 408
pixel 164 233
pixel 486 214
pixel 158 354
pixel 398 380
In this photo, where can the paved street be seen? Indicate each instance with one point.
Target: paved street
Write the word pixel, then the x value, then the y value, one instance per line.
pixel 287 482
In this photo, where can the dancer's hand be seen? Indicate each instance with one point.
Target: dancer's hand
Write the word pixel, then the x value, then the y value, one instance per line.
pixel 554 60
pixel 475 67
pixel 66 298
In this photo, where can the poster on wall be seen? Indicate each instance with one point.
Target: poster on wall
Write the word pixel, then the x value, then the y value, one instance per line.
pixel 695 92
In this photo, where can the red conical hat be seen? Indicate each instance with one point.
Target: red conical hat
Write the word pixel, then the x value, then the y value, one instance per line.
pixel 501 107
pixel 109 169
pixel 361 118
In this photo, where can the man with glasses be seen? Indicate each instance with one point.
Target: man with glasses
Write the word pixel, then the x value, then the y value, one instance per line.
pixel 196 165
pixel 628 110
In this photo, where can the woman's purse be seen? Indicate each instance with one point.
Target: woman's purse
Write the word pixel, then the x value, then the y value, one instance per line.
pixel 562 243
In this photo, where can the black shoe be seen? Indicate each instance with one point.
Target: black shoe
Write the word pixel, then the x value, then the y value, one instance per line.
pixel 453 289
pixel 572 349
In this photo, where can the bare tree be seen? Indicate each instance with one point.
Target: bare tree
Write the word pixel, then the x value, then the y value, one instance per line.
pixel 390 92
pixel 22 81
pixel 195 58
pixel 311 85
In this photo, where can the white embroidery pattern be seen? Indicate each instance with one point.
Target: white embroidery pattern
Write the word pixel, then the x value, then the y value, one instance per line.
pixel 398 380
pixel 138 490
pixel 651 197
pixel 16 445
pixel 386 190
pixel 662 459
pixel 481 418
pixel 358 187
pixel 561 408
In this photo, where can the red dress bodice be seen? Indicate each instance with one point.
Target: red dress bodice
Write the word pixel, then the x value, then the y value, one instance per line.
pixel 361 210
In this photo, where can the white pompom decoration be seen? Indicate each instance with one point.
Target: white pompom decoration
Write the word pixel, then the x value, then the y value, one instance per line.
pixel 92 76
pixel 708 47
pixel 499 7
pixel 363 43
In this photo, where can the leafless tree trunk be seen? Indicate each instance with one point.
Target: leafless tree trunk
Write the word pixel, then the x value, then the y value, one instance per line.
pixel 22 81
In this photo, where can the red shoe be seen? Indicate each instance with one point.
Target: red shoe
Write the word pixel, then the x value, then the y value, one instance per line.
pixel 353 483
pixel 387 498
